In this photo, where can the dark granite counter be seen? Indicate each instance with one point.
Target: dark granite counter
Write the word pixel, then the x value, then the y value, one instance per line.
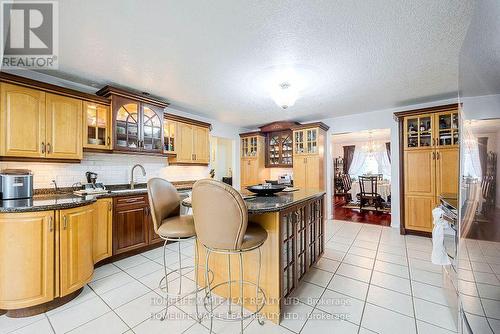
pixel 45 203
pixel 46 199
pixel 275 203
pixel 280 201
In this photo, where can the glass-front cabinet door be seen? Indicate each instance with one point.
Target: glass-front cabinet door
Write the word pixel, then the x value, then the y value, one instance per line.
pixel 152 129
pixel 419 131
pixel 274 149
pixel 305 141
pixel 127 125
pixel 169 136
pixel 447 129
pixel 249 147
pixel 312 141
pixel 97 126
pixel 286 148
pixel 298 138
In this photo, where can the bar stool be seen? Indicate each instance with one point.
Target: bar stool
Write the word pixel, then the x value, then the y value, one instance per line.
pixel 169 225
pixel 221 223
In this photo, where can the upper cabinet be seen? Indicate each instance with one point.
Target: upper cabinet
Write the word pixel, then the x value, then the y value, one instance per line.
pixel 250 146
pixel 431 130
pixel 305 142
pixel 22 113
pixel 137 121
pixel 36 124
pixel 96 126
pixel 187 141
pixel 309 167
pixel 252 161
pixel 64 127
pixel 279 140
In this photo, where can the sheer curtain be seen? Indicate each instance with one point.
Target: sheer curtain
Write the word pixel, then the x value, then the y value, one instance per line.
pixel 358 162
pixel 384 165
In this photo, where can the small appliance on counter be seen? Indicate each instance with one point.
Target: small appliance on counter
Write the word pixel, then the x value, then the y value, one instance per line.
pixel 92 187
pixel 16 184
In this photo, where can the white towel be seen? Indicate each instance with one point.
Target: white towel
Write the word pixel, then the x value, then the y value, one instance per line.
pixel 439 255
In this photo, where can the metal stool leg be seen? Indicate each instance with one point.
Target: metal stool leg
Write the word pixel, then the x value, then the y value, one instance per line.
pixel 259 318
pixel 166 278
pixel 209 291
pixel 196 259
pixel 180 266
pixel 242 299
pixel 229 285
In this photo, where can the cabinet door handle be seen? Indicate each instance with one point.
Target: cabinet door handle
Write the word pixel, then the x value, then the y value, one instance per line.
pixel 65 222
pixel 51 225
pixel 109 141
pixel 195 157
pixel 48 147
pixel 43 147
pixel 109 206
pixel 437 155
pixel 433 155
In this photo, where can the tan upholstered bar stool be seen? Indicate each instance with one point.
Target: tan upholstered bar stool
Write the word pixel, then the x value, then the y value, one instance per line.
pixel 221 222
pixel 171 226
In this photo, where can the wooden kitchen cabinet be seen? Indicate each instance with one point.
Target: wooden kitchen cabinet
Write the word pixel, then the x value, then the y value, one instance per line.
pixel 420 171
pixel 193 144
pixel 309 165
pixel 447 169
pixel 97 126
pixel 201 145
pixel 137 121
pixel 75 246
pixel 64 127
pixel 102 230
pixel 252 159
pixel 418 212
pixel 130 223
pixel 169 136
pixel 279 149
pixel 26 259
pixel 22 115
pixel 430 155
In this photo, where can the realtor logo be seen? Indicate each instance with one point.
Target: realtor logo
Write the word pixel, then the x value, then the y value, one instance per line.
pixel 29 34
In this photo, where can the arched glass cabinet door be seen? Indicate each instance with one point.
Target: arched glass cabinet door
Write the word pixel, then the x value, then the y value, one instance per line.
pixel 127 126
pixel 151 130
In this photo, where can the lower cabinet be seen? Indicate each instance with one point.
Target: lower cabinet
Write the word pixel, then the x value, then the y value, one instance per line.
pixel 302 242
pixel 27 261
pixel 418 212
pixel 76 255
pixel 102 242
pixel 132 224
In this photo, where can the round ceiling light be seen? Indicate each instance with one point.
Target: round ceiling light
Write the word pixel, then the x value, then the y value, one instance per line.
pixel 285 95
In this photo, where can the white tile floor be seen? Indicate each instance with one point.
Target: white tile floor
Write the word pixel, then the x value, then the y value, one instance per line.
pixel 370 280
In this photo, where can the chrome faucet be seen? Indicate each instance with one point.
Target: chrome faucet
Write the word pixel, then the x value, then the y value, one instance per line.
pixel 132 174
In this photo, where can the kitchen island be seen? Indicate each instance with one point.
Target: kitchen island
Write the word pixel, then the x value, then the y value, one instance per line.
pixel 295 225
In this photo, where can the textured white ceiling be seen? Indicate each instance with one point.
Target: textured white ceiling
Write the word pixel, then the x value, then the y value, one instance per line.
pixel 213 57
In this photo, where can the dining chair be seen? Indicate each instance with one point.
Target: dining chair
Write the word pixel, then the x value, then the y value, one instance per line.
pixel 368 194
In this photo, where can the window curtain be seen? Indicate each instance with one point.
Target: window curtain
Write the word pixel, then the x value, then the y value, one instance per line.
pixel 483 152
pixel 384 164
pixel 388 149
pixel 358 162
pixel 348 156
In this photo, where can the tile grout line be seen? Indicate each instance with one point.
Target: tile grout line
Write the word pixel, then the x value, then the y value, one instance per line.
pixel 340 263
pixel 411 288
pixel 369 284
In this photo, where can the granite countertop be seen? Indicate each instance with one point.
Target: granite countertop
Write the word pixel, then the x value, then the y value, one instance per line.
pixel 275 203
pixel 47 199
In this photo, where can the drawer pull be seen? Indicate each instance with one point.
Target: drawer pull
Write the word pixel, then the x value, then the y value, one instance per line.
pixel 65 222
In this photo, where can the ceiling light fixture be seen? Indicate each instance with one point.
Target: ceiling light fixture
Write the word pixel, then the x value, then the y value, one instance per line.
pixel 285 95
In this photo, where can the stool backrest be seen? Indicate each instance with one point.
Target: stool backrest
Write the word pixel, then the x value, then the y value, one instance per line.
pixel 220 215
pixel 164 201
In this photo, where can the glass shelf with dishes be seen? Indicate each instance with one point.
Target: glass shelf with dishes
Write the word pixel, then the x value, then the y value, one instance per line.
pixel 448 129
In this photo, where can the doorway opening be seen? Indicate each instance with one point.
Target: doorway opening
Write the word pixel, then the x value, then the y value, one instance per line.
pixel 362 176
pixel 221 159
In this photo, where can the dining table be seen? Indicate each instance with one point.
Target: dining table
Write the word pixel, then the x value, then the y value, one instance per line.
pixel 383 189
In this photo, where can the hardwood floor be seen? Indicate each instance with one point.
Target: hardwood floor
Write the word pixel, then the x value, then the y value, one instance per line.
pixel 487 230
pixel 359 216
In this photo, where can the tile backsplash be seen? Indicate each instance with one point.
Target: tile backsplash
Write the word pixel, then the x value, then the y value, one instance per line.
pixel 111 169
